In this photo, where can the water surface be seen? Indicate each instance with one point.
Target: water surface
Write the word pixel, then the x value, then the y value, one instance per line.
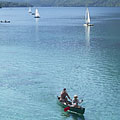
pixel 39 57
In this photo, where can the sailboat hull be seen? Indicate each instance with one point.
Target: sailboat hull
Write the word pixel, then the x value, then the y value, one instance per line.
pixel 87 18
pixel 33 13
pixel 36 17
pixel 88 25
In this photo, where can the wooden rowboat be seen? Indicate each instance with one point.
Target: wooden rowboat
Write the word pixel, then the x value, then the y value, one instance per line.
pixel 79 110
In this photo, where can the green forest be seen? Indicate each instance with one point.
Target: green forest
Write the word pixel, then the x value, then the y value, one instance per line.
pixel 77 3
pixel 13 4
pixel 62 3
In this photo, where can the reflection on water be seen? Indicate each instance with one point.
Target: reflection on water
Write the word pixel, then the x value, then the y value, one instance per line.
pixel 87 35
pixel 76 117
pixel 36 29
pixel 73 116
pixel 37 20
pixel 56 52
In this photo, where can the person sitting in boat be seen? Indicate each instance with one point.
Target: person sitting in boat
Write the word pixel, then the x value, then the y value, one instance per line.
pixel 76 101
pixel 64 95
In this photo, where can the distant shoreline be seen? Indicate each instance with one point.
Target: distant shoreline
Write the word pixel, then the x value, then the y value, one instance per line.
pixel 17 4
pixel 62 6
pixel 14 4
pixel 76 3
pixel 61 3
pixel 76 6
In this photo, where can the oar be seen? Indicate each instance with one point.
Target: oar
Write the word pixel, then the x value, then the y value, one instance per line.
pixel 66 109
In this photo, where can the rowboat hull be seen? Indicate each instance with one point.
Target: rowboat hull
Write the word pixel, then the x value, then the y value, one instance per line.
pixel 80 110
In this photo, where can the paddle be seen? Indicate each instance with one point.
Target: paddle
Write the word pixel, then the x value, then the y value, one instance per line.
pixel 81 101
pixel 66 109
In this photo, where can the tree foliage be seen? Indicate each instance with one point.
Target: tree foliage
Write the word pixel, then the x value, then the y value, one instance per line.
pixel 68 3
pixel 63 3
pixel 13 4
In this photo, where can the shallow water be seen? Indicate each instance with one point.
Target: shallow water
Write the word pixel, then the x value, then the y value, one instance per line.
pixel 39 57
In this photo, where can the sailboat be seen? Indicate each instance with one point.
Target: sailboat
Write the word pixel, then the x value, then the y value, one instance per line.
pixel 30 11
pixel 87 18
pixel 37 15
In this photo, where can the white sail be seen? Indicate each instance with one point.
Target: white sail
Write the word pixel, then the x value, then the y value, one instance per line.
pixel 87 16
pixel 37 15
pixel 30 11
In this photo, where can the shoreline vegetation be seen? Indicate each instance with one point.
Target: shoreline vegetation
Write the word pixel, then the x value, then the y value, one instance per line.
pixel 62 3
pixel 14 4
pixel 76 3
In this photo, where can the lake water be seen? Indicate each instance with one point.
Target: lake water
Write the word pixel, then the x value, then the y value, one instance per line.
pixel 39 57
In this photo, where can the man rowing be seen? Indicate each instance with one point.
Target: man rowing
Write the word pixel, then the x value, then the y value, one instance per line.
pixel 64 95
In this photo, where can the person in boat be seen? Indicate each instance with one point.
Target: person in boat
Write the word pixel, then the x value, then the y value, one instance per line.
pixel 76 101
pixel 64 95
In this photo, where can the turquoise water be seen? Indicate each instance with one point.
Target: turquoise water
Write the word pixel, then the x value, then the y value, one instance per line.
pixel 39 57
